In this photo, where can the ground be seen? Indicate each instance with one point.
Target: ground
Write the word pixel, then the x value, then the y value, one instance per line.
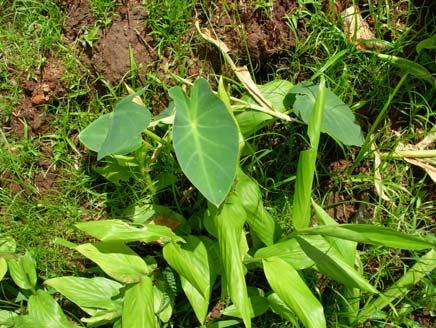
pixel 63 63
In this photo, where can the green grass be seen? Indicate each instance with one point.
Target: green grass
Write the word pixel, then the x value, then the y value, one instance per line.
pixel 31 31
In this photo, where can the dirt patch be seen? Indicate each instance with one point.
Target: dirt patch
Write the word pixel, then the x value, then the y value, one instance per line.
pixel 111 54
pixel 245 25
pixel 28 116
pixel 340 210
pixel 78 17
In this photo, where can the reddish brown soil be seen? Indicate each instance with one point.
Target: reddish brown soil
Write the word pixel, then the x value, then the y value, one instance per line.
pixel 261 31
pixel 111 54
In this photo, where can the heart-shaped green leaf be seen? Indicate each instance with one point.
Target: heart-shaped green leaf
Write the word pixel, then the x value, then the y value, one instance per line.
pixel 338 119
pixel 118 132
pixel 205 139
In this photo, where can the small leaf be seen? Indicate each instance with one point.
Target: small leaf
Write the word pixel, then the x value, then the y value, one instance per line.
pixel 336 269
pixel 138 311
pixel 287 283
pixel 429 43
pixel 206 141
pixel 116 260
pixel 410 67
pixel 90 294
pixel 118 132
pixel 23 271
pixel 370 234
pixel 117 230
pixel 338 119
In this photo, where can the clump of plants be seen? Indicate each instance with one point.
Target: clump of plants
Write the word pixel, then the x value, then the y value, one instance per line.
pixel 149 260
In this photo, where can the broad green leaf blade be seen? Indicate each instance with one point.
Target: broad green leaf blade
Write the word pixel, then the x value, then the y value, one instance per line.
pixel 223 324
pixel 410 67
pixel 198 302
pixel 279 307
pixel 346 248
pixel 94 135
pixel 336 269
pixel 291 252
pixel 23 271
pixel 88 293
pixel 228 223
pixel 425 265
pixel 259 305
pixel 205 139
pixel 117 230
pixel 287 283
pixel 260 221
pixel 338 119
pixel 192 262
pixel 138 309
pixel 45 312
pixel 3 268
pixel 102 317
pixel 370 234
pixel 306 163
pixel 116 260
pixel 7 318
pixel 128 120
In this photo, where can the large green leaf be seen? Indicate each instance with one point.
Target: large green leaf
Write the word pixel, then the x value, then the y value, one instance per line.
pixel 205 139
pixel 90 294
pixel 291 288
pixel 338 119
pixel 306 162
pixel 261 222
pixel 116 260
pixel 138 308
pixel 23 271
pixel 291 251
pixel 370 234
pixel 117 230
pixel 228 223
pixel 7 245
pixel 192 262
pixel 44 312
pixel 118 132
pixel 335 268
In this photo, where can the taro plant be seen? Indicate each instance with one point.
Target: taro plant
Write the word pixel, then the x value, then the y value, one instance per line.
pixel 209 255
